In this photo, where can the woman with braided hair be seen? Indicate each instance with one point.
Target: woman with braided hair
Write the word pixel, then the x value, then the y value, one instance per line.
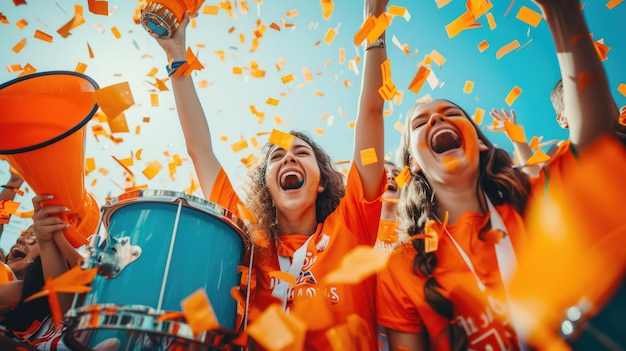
pixel 444 287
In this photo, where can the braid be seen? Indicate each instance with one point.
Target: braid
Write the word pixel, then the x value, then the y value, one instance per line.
pixel 415 209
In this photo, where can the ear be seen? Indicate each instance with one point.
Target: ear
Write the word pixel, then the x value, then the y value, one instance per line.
pixel 482 146
pixel 415 168
pixel 562 121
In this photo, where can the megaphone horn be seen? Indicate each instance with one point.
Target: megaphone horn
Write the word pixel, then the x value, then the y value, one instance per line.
pixel 42 135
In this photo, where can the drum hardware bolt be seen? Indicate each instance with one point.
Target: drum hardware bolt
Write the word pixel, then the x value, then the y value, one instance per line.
pixel 574 321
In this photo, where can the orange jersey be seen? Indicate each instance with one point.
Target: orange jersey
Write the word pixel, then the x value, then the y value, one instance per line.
pixel 484 316
pixel 578 232
pixel 6 274
pixel 322 307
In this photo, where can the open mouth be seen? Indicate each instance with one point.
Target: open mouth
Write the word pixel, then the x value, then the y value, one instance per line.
pixel 17 253
pixel 444 140
pixel 392 187
pixel 291 180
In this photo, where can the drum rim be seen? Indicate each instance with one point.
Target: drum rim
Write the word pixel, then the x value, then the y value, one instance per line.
pixel 82 319
pixel 172 197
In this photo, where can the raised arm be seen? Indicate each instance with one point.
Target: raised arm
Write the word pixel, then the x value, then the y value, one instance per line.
pixel 191 115
pixel 589 106
pixel 48 230
pixel 369 128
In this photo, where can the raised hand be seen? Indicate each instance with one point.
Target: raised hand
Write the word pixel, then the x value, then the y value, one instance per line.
pixel 175 47
pixel 47 226
pixel 503 115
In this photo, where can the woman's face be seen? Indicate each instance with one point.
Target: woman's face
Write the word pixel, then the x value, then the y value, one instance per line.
pixel 293 176
pixel 25 250
pixel 443 142
pixel 392 190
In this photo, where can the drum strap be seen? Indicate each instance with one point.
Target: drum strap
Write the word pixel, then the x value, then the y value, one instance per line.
pixel 294 268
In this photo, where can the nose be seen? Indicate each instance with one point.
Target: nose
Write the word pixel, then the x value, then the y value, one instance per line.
pixel 434 118
pixel 289 157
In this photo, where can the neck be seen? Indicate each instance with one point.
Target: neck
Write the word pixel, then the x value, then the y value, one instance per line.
pixel 303 222
pixel 459 199
pixel 389 211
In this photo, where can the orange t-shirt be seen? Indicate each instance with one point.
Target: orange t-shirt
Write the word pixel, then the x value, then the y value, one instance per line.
pixel 6 274
pixel 353 223
pixel 485 315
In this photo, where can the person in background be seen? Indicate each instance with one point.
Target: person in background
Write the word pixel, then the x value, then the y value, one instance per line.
pixel 7 192
pixel 305 216
pixel 388 236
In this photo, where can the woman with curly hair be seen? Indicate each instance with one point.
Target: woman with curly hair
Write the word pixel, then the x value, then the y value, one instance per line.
pixel 306 215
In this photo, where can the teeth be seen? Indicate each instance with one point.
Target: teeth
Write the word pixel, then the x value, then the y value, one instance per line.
pixel 444 131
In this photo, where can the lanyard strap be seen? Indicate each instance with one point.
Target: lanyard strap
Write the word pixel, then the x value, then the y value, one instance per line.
pixel 294 268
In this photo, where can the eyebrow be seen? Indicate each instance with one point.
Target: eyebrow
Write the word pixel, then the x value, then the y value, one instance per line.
pixel 295 147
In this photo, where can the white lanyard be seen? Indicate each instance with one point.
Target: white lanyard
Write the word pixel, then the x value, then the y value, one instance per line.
pixel 294 268
pixel 507 262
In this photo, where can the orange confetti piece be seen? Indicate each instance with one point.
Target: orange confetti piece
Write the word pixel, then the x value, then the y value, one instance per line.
pixel 442 3
pixel 19 46
pixel 76 21
pixel 515 132
pixel 245 213
pixel 43 36
pixel 368 156
pixel 80 67
pixel 118 124
pixel 330 35
pixel 199 312
pixel 404 177
pixel 276 330
pixel 537 158
pixel 504 50
pixel 529 16
pixel 437 57
pixel 358 264
pixel 288 78
pixel 14 68
pixel 272 101
pixel 513 95
pixel 468 87
pixel 114 99
pixel 479 114
pixel 210 10
pixel 622 89
pixel 239 145
pixel 491 21
pixel 611 4
pixel 91 55
pixel 419 79
pixel 281 139
pixel 327 8
pixel 154 100
pixel 601 49
pixel 116 32
pixel 483 45
pixel 90 165
pixel 99 7
pixel 76 280
pixel 152 169
pixel 20 24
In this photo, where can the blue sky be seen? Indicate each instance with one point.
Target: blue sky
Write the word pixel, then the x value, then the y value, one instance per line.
pixel 228 97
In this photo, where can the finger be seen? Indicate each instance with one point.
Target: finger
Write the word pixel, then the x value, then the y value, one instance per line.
pixel 46 211
pixel 513 116
pixel 37 201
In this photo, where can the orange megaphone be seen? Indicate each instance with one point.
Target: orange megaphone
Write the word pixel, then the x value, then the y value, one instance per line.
pixel 162 17
pixel 42 136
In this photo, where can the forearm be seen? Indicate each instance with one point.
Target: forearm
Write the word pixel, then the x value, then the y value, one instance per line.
pixel 524 153
pixel 589 106
pixel 54 264
pixel 369 128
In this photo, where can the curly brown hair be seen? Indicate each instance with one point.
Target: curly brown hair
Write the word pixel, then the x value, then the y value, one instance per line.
pixel 258 198
pixel 498 179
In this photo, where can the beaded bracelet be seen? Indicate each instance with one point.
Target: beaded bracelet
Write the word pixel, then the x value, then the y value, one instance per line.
pixel 175 66
pixel 378 43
